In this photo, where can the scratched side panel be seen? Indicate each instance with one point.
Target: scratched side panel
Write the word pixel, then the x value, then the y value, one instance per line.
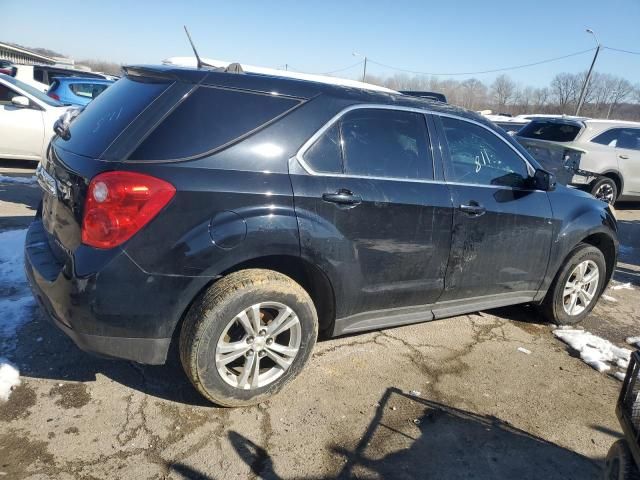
pixel 503 251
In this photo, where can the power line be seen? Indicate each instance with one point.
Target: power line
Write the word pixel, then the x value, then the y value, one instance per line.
pixel 621 50
pixel 343 69
pixel 486 71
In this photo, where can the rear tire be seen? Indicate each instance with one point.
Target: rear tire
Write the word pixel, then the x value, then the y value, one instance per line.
pixel 605 189
pixel 619 464
pixel 571 298
pixel 247 337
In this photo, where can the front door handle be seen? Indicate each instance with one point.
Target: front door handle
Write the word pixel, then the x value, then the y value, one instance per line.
pixel 473 209
pixel 342 197
pixel 624 157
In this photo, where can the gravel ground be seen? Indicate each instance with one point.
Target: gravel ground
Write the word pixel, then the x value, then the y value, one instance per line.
pixel 452 398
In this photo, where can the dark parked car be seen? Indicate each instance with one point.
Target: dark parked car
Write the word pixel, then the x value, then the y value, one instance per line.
pixel 243 214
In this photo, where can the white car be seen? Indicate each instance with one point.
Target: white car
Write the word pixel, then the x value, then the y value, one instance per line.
pixel 26 74
pixel 26 120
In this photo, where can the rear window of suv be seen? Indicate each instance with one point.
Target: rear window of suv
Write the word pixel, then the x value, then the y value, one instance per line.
pixel 108 115
pixel 551 131
pixel 210 119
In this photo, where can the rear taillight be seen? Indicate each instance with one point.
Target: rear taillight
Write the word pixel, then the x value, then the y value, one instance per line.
pixel 119 204
pixel 55 96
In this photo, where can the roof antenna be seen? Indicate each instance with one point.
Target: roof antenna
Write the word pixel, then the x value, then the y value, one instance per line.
pixel 199 61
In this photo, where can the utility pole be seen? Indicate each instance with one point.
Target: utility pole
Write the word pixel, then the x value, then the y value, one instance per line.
pixel 364 69
pixel 583 92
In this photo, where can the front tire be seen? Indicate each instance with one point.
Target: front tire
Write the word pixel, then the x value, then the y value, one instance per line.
pixel 247 337
pixel 577 286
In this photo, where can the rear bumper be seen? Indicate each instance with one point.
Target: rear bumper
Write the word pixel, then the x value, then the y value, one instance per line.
pixel 118 312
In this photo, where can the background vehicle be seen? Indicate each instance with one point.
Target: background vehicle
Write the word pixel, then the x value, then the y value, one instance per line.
pixel 438 97
pixel 77 90
pixel 623 457
pixel 47 74
pixel 26 74
pixel 26 120
pixel 607 151
pixel 247 213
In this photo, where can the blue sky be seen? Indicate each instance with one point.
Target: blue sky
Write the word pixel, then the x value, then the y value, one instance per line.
pixel 451 36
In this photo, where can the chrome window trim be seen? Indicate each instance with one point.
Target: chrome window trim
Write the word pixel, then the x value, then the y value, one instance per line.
pixel 305 146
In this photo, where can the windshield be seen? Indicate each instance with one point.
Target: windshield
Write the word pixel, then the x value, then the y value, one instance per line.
pixel 550 130
pixel 34 92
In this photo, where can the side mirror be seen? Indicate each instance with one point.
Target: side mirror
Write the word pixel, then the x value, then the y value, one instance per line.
pixel 543 180
pixel 20 101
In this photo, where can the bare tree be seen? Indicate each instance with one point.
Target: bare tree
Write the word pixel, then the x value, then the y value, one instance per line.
pixel 564 89
pixel 473 93
pixel 503 90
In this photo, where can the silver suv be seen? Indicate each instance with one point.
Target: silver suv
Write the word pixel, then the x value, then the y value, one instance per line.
pixel 610 149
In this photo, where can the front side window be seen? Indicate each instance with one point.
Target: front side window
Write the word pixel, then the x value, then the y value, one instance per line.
pixel 386 143
pixel 6 94
pixel 478 156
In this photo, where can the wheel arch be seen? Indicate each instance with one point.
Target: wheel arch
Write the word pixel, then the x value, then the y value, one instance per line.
pixel 607 246
pixel 615 176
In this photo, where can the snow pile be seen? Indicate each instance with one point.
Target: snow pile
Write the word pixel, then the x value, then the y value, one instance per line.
pixel 16 303
pixel 21 180
pixel 635 341
pixel 621 286
pixel 608 298
pixel 9 379
pixel 595 351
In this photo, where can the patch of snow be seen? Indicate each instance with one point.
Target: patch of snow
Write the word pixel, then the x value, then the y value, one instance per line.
pixel 622 363
pixel 524 350
pixel 595 351
pixel 21 180
pixel 16 300
pixel 633 341
pixel 608 298
pixel 415 393
pixel 621 286
pixel 620 375
pixel 9 379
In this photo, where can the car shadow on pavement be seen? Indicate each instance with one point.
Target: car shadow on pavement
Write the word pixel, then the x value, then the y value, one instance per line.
pixel 45 352
pixel 412 437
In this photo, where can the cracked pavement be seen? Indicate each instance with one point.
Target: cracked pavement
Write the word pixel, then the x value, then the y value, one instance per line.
pixel 451 398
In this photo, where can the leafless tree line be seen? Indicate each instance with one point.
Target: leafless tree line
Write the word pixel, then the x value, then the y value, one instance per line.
pixel 607 96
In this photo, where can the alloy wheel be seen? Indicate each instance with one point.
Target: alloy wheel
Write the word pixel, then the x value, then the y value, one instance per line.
pixel 604 193
pixel 258 345
pixel 581 287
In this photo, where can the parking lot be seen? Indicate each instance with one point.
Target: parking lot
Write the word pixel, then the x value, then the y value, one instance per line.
pixel 453 398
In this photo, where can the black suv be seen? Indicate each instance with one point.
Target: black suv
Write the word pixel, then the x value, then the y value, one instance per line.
pixel 245 214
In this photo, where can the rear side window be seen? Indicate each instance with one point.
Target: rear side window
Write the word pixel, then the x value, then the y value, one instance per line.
pixel 629 138
pixel 325 155
pixel 209 119
pixel 370 142
pixel 551 131
pixel 87 90
pixel 386 143
pixel 109 114
pixel 610 137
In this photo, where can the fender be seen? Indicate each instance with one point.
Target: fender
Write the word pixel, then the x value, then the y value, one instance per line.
pixel 573 222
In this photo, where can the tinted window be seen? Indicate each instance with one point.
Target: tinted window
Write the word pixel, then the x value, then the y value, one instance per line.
pixel 610 137
pixel 480 157
pixel 629 138
pixel 552 131
pixel 38 74
pixel 34 92
pixel 325 154
pixel 6 94
pixel 386 143
pixel 208 119
pixel 87 90
pixel 108 115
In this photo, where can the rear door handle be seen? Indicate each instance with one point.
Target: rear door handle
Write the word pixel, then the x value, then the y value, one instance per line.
pixel 473 209
pixel 342 197
pixel 624 157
